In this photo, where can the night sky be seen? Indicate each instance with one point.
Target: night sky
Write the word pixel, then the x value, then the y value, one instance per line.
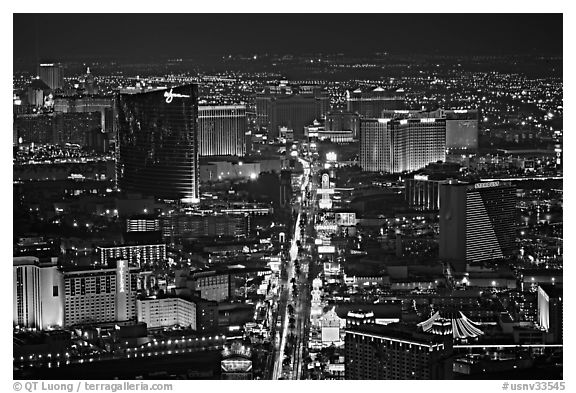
pixel 76 36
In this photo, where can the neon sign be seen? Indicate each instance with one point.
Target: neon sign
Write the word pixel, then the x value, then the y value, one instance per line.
pixel 170 96
pixel 121 270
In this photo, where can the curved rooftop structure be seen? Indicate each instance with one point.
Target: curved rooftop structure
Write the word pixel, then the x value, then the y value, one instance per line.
pixel 451 322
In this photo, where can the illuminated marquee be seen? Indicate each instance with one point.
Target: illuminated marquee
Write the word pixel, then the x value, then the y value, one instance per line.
pixel 326 250
pixel 487 184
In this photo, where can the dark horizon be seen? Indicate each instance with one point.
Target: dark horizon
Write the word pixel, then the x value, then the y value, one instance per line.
pixel 138 36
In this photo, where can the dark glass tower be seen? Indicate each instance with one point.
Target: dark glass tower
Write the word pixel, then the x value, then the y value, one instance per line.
pixel 157 151
pixel 477 222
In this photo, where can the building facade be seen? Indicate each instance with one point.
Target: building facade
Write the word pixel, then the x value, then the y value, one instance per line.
pixel 222 130
pixel 104 105
pixel 157 152
pixel 166 312
pixel 461 131
pixel 100 295
pixel 423 193
pixel 401 145
pixel 51 74
pixel 477 222
pixel 140 254
pixel 183 226
pixel 383 352
pixel 550 311
pixel 38 295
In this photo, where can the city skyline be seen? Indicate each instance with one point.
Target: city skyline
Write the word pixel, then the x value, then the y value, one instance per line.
pixel 288 197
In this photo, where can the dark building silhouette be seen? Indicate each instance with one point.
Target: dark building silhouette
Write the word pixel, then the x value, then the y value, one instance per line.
pixel 36 93
pixel 343 121
pixel 52 75
pixel 370 102
pixel 396 351
pixel 88 103
pixel 285 188
pixel 157 151
pixel 35 128
pixel 291 107
pixel 476 222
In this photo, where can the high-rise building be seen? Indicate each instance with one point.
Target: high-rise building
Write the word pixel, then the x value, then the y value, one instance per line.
pixel 461 131
pixel 477 222
pixel 100 295
pixel 375 145
pixel 370 102
pixel 461 126
pixel 222 130
pixel 401 145
pixel 38 300
pixel 550 313
pixel 36 93
pixel 396 351
pixel 294 107
pixel 51 74
pixel 157 152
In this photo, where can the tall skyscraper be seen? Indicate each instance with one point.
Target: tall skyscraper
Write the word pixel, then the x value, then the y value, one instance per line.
pixel 370 102
pixel 396 351
pixel 157 151
pixel 375 145
pixel 222 130
pixel 38 300
pixel 401 145
pixel 476 222
pixel 51 74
